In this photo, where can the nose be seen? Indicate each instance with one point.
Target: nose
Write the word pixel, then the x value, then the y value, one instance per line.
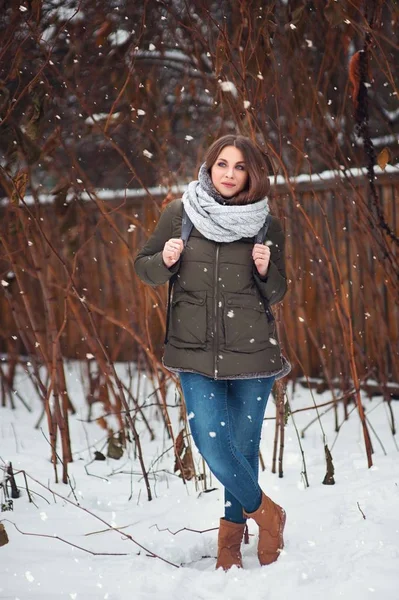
pixel 230 172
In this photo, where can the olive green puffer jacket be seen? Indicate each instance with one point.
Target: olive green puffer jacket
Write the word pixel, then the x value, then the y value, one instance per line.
pixel 218 324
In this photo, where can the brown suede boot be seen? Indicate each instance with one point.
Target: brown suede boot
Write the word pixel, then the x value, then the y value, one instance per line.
pixel 229 542
pixel 271 520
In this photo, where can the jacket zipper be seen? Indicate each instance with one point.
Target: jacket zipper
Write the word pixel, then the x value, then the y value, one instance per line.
pixel 216 332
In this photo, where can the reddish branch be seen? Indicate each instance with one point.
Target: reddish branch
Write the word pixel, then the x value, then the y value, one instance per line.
pixel 57 537
pixel 116 529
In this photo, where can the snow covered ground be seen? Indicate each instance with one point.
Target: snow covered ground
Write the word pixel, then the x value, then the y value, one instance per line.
pixel 332 551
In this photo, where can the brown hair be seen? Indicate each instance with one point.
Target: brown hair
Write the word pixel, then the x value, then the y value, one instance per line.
pixel 258 185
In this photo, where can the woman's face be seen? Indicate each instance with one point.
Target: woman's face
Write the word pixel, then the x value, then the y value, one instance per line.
pixel 229 174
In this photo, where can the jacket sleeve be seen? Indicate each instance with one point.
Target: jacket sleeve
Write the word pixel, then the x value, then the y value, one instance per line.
pixel 273 285
pixel 148 263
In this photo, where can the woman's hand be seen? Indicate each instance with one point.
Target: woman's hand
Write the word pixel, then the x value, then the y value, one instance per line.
pixel 261 257
pixel 171 251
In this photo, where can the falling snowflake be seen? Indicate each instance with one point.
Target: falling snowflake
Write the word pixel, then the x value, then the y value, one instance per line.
pixel 228 86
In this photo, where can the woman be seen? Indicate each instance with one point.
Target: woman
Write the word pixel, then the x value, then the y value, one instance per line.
pixel 221 336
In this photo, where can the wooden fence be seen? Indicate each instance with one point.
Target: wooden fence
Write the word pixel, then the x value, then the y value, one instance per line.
pixel 336 252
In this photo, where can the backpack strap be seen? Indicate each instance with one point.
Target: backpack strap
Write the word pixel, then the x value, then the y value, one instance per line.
pixel 261 235
pixel 186 228
pixel 260 238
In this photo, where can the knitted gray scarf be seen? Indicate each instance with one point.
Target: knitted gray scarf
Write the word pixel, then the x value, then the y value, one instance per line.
pixel 215 218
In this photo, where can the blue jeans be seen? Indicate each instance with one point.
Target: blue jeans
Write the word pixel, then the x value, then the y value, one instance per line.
pixel 226 419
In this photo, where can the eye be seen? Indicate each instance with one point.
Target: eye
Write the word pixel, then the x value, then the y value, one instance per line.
pixel 241 167
pixel 221 164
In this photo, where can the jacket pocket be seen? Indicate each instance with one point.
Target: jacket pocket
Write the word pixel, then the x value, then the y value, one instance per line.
pixel 245 322
pixel 188 320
